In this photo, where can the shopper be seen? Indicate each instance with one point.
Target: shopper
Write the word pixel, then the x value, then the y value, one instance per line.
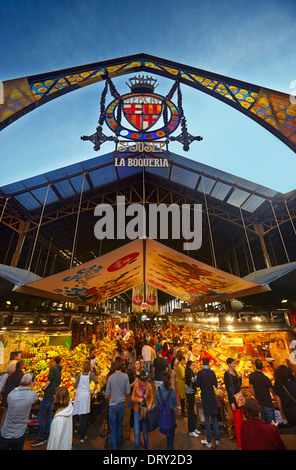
pixel 19 403
pixel 285 392
pixel 131 358
pixel 82 402
pixel 173 403
pixel 189 355
pixel 117 388
pixel 142 397
pixel 180 376
pixel 92 358
pixel 233 384
pixel 170 357
pixel 159 366
pixel 61 429
pixel 146 353
pixel 12 381
pixel 46 405
pixel 260 386
pixel 190 387
pixel 4 376
pixel 133 376
pixel 174 386
pixel 206 379
pixel 256 434
pixel 165 350
pixel 206 353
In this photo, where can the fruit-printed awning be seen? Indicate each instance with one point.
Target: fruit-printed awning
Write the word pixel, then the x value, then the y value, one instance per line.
pixel 143 260
pixel 272 109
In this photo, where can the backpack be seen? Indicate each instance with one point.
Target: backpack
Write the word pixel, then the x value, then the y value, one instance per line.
pixel 165 419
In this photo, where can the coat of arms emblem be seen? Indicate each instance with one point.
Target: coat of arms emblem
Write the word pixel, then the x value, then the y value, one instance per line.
pixel 142 116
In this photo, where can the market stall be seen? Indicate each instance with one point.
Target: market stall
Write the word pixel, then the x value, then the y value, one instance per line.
pixel 245 337
pixel 38 346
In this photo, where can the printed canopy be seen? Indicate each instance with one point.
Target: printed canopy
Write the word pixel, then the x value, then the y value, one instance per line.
pixel 143 260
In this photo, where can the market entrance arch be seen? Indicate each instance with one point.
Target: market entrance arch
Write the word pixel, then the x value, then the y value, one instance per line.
pixel 273 110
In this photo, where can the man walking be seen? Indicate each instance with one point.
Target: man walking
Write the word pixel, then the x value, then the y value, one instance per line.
pixel 46 405
pixel 146 353
pixel 206 379
pixel 260 386
pixel 117 388
pixel 19 403
pixel 159 366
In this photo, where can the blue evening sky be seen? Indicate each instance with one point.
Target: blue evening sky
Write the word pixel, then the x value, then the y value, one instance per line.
pixel 254 41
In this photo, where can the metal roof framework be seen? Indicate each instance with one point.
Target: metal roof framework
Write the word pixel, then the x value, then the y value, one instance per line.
pixel 240 213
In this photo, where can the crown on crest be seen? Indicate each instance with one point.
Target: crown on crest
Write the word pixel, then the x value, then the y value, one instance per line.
pixel 142 84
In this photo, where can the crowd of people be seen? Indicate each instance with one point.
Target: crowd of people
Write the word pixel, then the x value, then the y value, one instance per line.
pixel 149 371
pixel 151 358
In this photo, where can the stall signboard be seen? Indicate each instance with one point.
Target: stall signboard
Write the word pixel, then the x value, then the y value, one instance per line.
pixel 232 342
pixel 253 320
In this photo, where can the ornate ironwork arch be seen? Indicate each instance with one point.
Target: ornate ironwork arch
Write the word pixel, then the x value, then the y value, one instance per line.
pixel 272 109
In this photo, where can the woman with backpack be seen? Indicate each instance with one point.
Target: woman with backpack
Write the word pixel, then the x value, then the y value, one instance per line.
pixel 167 395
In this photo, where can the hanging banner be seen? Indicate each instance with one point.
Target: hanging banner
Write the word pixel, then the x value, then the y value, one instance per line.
pixel 138 298
pixel 151 299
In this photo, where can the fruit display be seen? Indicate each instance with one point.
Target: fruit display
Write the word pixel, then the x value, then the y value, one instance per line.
pixel 265 346
pixel 38 362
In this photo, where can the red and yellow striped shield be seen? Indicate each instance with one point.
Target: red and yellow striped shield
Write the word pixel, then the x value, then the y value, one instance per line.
pixel 142 114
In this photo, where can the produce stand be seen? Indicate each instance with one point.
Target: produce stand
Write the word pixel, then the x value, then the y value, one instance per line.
pixel 263 337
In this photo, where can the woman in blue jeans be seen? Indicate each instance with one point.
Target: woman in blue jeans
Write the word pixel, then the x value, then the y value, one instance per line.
pixel 142 397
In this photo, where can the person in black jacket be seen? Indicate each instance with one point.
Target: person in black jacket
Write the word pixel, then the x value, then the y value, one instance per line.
pixel 285 393
pixel 206 379
pixel 12 382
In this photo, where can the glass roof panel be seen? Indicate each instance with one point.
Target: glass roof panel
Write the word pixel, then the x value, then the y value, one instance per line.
pixel 238 197
pixel 103 176
pixel 252 203
pixel 35 181
pixel 208 170
pixel 13 187
pixel 220 191
pixel 228 177
pixel 187 162
pixel 65 189
pixel 126 171
pixel 97 161
pixel 73 169
pixel 247 184
pixel 56 174
pixel 266 191
pixel 163 172
pixel 28 201
pixel 40 194
pixel 76 182
pixel 184 177
pixel 206 185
